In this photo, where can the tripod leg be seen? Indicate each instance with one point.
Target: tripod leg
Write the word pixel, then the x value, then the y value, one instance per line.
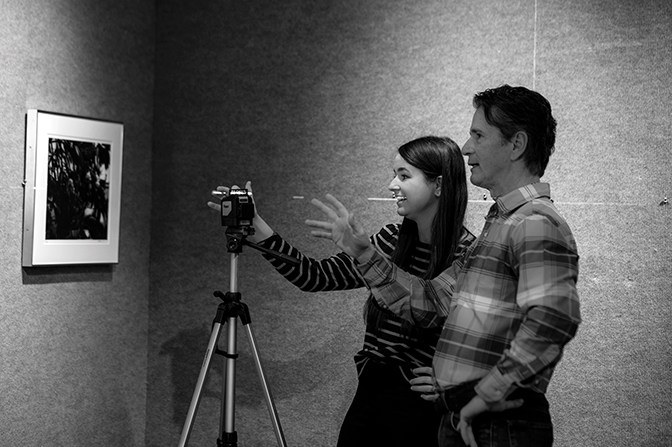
pixel 267 392
pixel 228 436
pixel 229 311
pixel 195 400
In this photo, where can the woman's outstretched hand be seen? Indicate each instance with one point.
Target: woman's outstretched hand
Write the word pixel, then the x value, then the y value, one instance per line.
pixel 340 227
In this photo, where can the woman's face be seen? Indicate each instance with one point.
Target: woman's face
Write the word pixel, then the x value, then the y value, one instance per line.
pixel 417 198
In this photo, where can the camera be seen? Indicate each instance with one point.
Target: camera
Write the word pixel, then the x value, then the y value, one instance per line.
pixel 237 208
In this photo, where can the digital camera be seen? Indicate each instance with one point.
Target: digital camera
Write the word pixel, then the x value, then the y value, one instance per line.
pixel 237 208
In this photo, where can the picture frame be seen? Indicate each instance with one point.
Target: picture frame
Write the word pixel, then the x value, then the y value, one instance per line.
pixel 72 190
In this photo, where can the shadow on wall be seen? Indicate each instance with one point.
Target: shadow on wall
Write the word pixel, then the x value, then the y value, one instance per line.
pixel 68 274
pixel 187 352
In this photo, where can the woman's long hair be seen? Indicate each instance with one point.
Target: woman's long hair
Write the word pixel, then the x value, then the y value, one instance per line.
pixel 434 157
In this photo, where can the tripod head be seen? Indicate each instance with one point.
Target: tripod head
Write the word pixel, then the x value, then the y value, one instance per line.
pixel 236 237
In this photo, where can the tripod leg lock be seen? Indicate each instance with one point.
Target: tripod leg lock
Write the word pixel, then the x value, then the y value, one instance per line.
pixel 226 354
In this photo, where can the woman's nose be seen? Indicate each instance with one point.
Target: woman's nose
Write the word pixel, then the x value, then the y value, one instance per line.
pixel 393 185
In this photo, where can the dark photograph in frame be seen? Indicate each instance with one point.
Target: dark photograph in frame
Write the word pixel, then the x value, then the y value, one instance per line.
pixel 72 190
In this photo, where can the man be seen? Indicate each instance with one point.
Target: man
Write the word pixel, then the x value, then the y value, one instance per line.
pixel 511 302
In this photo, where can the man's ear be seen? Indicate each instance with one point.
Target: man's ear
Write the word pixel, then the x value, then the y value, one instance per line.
pixel 437 187
pixel 519 141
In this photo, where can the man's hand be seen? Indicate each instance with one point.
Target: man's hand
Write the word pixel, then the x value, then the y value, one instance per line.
pixel 341 227
pixel 475 407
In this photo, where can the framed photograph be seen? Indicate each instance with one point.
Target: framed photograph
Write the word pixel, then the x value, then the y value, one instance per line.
pixel 72 192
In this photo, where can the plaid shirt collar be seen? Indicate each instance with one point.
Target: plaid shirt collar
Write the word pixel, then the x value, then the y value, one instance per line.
pixel 510 202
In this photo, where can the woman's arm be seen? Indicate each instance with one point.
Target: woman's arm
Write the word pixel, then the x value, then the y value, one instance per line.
pixel 337 272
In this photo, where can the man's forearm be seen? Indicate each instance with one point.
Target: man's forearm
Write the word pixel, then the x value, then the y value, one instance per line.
pixel 422 302
pixel 538 344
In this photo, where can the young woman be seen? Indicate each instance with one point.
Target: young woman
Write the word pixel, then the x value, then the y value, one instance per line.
pixel 429 184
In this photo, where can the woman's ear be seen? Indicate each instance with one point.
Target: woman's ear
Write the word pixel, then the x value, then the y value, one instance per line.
pixel 437 187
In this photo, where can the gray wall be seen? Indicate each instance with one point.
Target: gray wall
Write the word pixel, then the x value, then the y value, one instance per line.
pixel 306 98
pixel 73 340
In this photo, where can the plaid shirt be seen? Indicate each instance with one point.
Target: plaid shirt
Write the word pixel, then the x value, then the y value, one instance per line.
pixel 511 302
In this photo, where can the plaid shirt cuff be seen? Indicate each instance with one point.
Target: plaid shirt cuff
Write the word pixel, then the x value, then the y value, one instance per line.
pixel 494 387
pixel 366 256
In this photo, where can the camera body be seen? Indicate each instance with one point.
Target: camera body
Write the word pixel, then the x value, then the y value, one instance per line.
pixel 237 208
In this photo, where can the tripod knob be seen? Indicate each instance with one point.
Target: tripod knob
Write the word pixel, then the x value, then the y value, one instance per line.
pixel 233 245
pixel 228 297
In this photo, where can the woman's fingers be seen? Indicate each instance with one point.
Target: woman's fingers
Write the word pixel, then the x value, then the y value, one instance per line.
pixel 321 234
pixel 423 370
pixel 325 209
pixel 322 229
pixel 222 191
pixel 425 389
pixel 425 383
pixel 320 224
pixel 340 208
pixel 422 380
pixel 218 193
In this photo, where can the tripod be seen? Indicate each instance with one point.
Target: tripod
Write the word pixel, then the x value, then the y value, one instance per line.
pixel 228 312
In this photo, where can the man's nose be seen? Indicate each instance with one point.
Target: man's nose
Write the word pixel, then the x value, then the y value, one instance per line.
pixel 466 148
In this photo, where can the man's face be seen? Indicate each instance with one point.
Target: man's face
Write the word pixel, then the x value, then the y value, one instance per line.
pixel 488 156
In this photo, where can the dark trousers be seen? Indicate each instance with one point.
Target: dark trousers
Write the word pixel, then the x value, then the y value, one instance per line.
pixel 527 426
pixel 385 412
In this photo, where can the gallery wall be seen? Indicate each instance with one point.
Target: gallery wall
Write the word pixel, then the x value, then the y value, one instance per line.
pixel 308 98
pixel 73 339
